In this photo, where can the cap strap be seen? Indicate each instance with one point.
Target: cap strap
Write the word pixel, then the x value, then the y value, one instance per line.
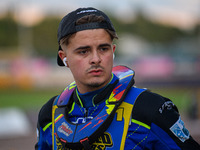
pixel 92 25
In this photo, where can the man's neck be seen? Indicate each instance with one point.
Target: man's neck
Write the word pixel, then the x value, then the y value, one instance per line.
pixel 87 98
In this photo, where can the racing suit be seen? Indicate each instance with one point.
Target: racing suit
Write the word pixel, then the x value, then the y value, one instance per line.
pixel 155 122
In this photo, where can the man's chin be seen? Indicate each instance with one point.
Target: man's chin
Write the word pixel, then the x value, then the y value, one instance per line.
pixel 96 85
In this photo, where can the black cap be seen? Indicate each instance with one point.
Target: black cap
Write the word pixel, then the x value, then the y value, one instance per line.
pixel 68 24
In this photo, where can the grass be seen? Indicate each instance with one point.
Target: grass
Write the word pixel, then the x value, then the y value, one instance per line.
pixel 181 97
pixel 34 99
pixel 26 99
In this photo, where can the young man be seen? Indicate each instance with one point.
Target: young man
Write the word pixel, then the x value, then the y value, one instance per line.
pixel 102 109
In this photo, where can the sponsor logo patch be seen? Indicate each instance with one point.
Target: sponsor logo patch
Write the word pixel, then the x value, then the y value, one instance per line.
pixel 179 130
pixel 65 129
pixel 102 142
pixel 167 105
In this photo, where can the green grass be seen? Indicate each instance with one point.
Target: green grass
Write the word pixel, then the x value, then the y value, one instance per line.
pixel 180 97
pixel 26 99
pixel 33 99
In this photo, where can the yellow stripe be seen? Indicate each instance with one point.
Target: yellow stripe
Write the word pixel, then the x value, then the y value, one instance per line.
pixel 51 122
pixel 140 123
pixel 72 108
pixel 58 117
pixel 53 114
pixel 47 126
pixel 126 115
pixel 126 76
pixel 72 85
pixel 79 98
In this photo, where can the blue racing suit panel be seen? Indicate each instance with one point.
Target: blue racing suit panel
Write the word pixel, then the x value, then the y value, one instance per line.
pixel 45 139
pixel 160 139
pixel 144 137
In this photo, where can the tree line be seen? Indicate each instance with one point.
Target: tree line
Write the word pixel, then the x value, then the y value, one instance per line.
pixel 44 34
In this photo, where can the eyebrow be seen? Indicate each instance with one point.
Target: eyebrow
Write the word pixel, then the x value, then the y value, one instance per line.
pixel 81 47
pixel 105 44
pixel 86 47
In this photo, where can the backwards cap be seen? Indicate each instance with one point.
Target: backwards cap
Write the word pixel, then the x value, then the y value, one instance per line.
pixel 68 25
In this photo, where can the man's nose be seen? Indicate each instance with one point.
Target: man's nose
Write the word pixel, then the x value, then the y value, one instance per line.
pixel 95 58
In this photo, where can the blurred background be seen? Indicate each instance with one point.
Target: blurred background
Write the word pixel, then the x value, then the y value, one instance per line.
pixel 160 40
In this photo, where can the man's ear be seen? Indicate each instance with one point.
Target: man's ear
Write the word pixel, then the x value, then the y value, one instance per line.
pixel 114 47
pixel 63 57
pixel 61 54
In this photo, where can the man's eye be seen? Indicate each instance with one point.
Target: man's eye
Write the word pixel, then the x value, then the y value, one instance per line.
pixel 104 49
pixel 83 52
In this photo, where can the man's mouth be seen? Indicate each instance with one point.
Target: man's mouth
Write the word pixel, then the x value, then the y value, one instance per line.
pixel 95 71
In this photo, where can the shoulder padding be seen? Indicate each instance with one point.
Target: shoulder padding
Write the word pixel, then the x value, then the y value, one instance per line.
pixel 45 114
pixel 146 106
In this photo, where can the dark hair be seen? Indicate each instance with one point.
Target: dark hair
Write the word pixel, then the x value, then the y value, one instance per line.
pixel 89 19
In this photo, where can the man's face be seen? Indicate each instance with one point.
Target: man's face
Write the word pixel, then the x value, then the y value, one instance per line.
pixel 90 58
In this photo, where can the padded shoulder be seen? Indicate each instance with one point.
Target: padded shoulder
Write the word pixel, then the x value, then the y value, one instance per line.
pixel 147 106
pixel 45 114
pixel 153 108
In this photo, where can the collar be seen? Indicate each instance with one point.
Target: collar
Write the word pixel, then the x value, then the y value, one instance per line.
pixel 101 96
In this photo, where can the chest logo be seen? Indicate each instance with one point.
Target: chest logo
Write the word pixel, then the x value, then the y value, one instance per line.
pixel 65 129
pixel 102 142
